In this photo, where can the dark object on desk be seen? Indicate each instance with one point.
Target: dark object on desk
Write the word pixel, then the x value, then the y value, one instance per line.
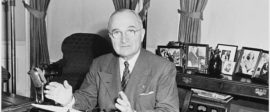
pixel 38 79
pixel 79 50
pixel 5 79
pixel 214 68
pixel 261 80
pixel 5 74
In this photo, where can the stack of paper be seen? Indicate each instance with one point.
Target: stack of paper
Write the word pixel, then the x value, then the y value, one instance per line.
pixel 212 95
pixel 54 108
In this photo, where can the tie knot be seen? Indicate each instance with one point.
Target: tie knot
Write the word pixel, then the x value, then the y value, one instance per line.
pixel 126 64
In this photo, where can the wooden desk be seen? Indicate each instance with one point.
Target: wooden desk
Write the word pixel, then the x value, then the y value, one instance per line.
pixel 250 93
pixel 234 87
pixel 15 103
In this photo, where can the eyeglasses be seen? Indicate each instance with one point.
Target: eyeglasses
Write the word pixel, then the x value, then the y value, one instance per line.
pixel 129 33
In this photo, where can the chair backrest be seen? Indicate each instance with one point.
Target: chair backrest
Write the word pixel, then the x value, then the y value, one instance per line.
pixel 79 50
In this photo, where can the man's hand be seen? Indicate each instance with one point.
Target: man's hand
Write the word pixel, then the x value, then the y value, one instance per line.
pixel 59 93
pixel 122 103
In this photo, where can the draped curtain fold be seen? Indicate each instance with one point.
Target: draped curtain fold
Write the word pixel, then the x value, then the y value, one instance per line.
pixel 131 4
pixel 190 20
pixel 39 53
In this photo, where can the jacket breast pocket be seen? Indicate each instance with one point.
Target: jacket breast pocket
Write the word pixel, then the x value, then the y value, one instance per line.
pixel 147 100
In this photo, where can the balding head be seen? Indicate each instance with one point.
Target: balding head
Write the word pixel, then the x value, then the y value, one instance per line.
pixel 126 33
pixel 122 13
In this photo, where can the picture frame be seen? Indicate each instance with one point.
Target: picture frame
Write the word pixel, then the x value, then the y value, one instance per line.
pixel 228 67
pixel 171 53
pixel 248 60
pixel 227 52
pixel 197 57
pixel 263 65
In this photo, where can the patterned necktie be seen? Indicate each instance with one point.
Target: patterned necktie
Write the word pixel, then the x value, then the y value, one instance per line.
pixel 125 77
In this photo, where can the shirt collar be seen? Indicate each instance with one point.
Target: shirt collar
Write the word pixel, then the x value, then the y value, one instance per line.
pixel 131 62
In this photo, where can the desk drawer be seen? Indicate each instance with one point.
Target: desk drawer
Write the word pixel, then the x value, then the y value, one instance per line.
pixel 246 90
pixel 224 86
pixel 200 82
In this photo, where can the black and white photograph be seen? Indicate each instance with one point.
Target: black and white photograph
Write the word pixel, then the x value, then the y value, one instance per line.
pixel 262 69
pixel 134 55
pixel 227 52
pixel 228 67
pixel 172 54
pixel 197 56
pixel 248 60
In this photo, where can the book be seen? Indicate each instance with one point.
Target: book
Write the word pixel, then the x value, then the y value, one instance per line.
pixel 218 97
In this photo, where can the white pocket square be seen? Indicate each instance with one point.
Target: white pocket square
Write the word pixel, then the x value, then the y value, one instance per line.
pixel 151 92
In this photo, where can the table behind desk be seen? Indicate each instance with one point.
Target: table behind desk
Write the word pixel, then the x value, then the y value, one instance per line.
pixel 15 103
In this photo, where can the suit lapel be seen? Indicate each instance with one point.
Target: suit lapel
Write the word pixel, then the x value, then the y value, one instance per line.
pixel 111 78
pixel 138 75
pixel 112 82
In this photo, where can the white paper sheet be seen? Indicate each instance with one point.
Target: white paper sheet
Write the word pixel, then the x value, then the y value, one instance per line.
pixel 54 108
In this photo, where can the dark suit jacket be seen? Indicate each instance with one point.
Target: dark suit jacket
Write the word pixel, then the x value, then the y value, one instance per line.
pixel 152 86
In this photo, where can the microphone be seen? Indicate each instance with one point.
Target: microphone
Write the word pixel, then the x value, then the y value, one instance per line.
pixel 37 77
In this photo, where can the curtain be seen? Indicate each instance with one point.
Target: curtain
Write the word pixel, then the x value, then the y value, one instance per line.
pixel 39 53
pixel 190 20
pixel 132 4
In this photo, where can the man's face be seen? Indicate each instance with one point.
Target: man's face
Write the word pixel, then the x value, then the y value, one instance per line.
pixel 126 34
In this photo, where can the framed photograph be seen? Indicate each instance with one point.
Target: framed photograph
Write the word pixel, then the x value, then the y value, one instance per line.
pixel 248 60
pixel 228 67
pixel 197 57
pixel 172 53
pixel 263 65
pixel 227 52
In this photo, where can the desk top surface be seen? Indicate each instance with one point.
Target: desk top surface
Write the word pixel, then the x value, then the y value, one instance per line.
pixel 12 102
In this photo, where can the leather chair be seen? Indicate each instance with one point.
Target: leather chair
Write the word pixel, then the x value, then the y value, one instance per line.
pixel 78 50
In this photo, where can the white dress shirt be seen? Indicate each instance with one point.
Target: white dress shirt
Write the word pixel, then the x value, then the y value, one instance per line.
pixel 131 63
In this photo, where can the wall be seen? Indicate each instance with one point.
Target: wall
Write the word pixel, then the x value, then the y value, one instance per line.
pixel 22 50
pixel 163 23
pixel 237 22
pixel 72 16
pixel 225 21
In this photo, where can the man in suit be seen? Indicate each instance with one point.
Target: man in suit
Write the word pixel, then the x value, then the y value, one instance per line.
pixel 151 85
